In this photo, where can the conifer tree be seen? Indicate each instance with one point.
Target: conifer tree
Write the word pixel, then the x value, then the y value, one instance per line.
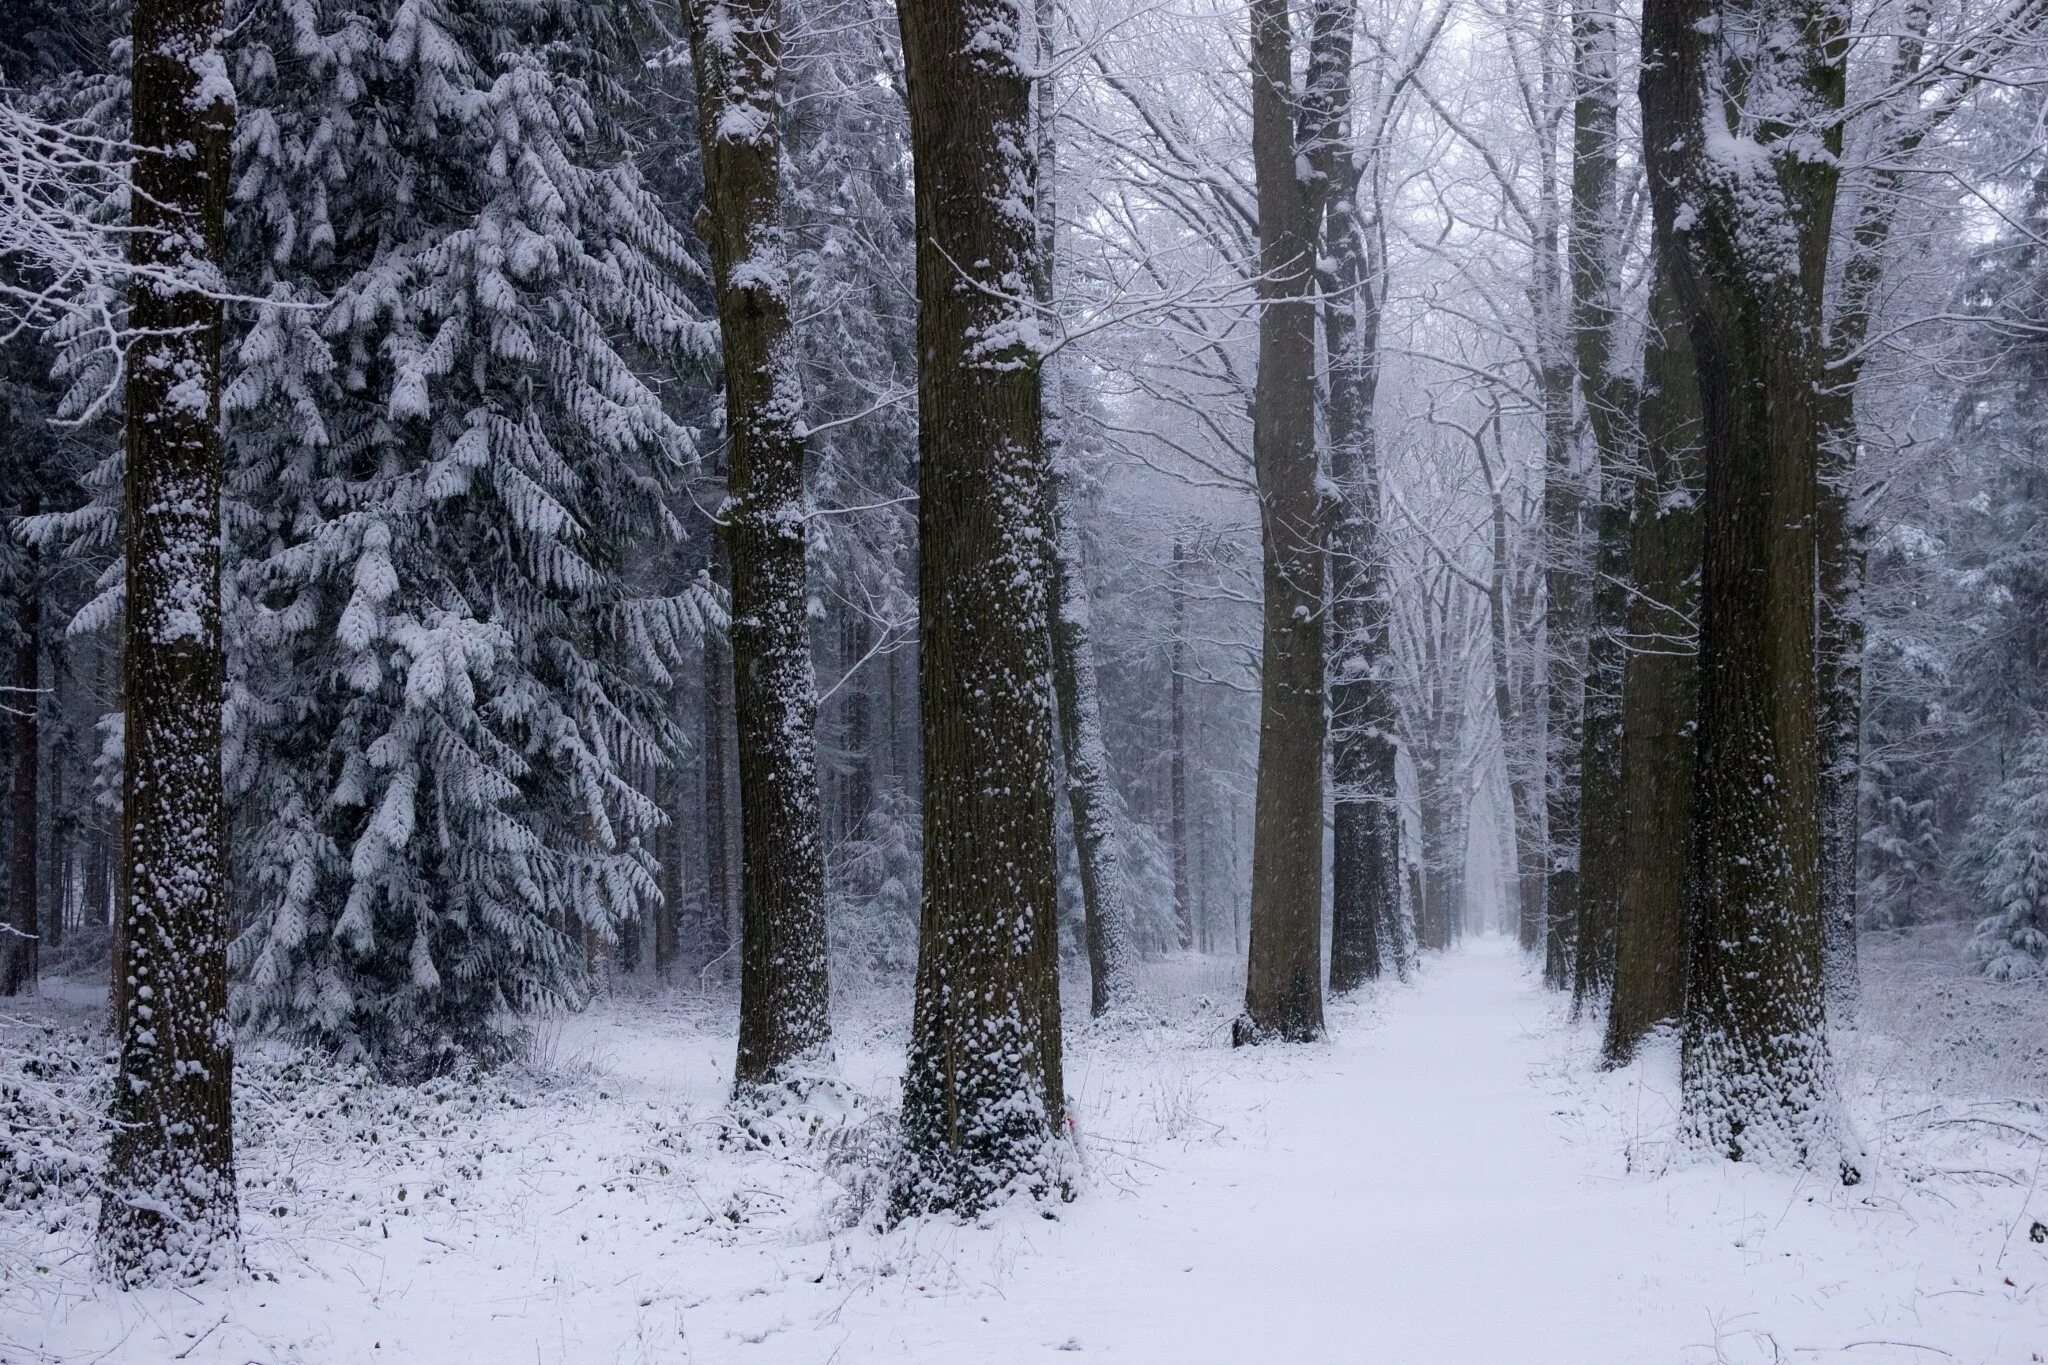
pixel 448 676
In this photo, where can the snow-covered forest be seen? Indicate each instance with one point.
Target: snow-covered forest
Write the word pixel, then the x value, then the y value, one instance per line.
pixel 968 680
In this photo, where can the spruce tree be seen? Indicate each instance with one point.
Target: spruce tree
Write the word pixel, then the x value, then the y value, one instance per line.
pixel 446 458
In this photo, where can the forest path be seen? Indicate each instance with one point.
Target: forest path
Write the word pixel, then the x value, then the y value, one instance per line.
pixel 1405 1194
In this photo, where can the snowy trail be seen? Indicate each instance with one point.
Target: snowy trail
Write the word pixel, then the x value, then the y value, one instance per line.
pixel 1412 1192
pixel 1446 1181
pixel 1410 1199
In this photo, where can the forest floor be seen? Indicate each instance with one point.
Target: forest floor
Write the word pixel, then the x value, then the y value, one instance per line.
pixel 1449 1179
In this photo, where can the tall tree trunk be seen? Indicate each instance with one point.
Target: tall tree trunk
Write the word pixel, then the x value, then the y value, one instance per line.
pixel 856 711
pixel 21 942
pixel 1660 690
pixel 983 1094
pixel 168 1211
pixel 1091 791
pixel 785 1014
pixel 1561 659
pixel 720 871
pixel 1177 762
pixel 1607 398
pixel 1284 970
pixel 1748 259
pixel 1563 673
pixel 1522 804
pixel 1365 873
pixel 1903 125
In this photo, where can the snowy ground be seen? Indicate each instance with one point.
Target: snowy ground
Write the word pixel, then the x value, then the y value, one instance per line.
pixel 1450 1179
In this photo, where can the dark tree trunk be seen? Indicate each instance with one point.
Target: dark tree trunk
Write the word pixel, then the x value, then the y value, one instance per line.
pixel 1562 658
pixel 1660 691
pixel 21 942
pixel 856 711
pixel 168 1212
pixel 720 865
pixel 1284 969
pixel 785 1014
pixel 983 1095
pixel 1607 399
pixel 1522 803
pixel 1177 667
pixel 1365 873
pixel 1748 262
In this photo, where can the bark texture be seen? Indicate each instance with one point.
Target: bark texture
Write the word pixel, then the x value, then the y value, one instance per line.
pixel 1660 691
pixel 1284 967
pixel 168 1212
pixel 785 1015
pixel 22 940
pixel 983 1096
pixel 1607 398
pixel 1747 253
pixel 1365 871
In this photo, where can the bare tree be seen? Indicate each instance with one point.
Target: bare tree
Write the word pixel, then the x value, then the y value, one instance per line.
pixel 785 1015
pixel 983 1093
pixel 1284 971
pixel 169 1208
pixel 1746 248
pixel 1659 691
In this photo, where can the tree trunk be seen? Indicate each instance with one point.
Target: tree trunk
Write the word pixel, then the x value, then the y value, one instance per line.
pixel 21 942
pixel 1607 400
pixel 1748 260
pixel 785 1013
pixel 1522 809
pixel 1365 890
pixel 1660 691
pixel 1177 763
pixel 168 1211
pixel 983 1094
pixel 1091 791
pixel 1284 969
pixel 720 873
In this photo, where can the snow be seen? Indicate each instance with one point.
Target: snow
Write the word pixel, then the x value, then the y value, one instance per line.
pixel 1449 1179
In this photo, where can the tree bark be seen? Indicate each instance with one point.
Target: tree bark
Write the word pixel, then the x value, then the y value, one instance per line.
pixel 1284 968
pixel 983 1094
pixel 1177 763
pixel 1660 691
pixel 1748 257
pixel 720 866
pixel 21 949
pixel 1091 791
pixel 1607 400
pixel 168 1212
pixel 1522 804
pixel 1365 890
pixel 785 993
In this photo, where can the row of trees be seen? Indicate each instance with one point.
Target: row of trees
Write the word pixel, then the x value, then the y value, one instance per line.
pixel 473 519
